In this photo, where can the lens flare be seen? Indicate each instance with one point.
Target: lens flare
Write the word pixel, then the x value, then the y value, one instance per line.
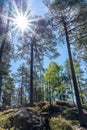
pixel 21 22
pixel 20 19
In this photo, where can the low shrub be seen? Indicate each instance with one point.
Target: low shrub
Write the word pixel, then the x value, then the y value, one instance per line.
pixel 59 124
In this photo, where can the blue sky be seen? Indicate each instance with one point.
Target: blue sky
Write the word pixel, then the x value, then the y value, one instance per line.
pixel 37 7
pixel 61 59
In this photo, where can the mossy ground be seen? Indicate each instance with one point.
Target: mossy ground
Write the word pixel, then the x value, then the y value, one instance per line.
pixel 60 124
pixel 4 118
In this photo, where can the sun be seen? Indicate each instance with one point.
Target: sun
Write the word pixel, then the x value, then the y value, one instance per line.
pixel 21 21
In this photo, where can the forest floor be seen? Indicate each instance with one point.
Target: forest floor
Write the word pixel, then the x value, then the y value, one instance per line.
pixel 60 111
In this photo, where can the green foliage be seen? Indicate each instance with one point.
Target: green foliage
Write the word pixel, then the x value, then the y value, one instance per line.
pixel 67 2
pixel 79 76
pixel 55 87
pixel 52 74
pixel 81 37
pixel 59 124
pixel 21 77
pixel 8 90
pixel 77 67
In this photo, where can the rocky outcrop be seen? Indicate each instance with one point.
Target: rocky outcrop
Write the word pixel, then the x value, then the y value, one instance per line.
pixel 27 119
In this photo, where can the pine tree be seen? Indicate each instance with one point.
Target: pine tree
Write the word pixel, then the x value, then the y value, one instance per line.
pixel 63 17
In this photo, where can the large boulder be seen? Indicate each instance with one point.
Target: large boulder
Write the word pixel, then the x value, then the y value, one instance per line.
pixel 27 119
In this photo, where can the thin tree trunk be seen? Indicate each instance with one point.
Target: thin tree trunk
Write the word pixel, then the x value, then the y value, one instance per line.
pixel 80 90
pixel 52 95
pixel 22 88
pixel 81 114
pixel 49 92
pixel 72 91
pixel 1 53
pixel 31 72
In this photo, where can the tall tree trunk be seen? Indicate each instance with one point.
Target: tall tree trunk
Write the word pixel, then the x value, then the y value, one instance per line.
pixel 1 53
pixel 81 114
pixel 31 71
pixel 80 90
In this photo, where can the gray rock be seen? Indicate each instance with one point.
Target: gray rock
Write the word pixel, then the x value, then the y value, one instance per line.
pixel 27 119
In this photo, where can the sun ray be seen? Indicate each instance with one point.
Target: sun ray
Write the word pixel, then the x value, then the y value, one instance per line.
pixel 31 30
pixel 26 13
pixel 35 19
pixel 15 29
pixel 15 7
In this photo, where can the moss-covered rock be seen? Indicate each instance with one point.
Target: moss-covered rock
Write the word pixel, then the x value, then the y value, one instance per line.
pixel 27 118
pixel 52 109
pixel 71 114
pixel 65 103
